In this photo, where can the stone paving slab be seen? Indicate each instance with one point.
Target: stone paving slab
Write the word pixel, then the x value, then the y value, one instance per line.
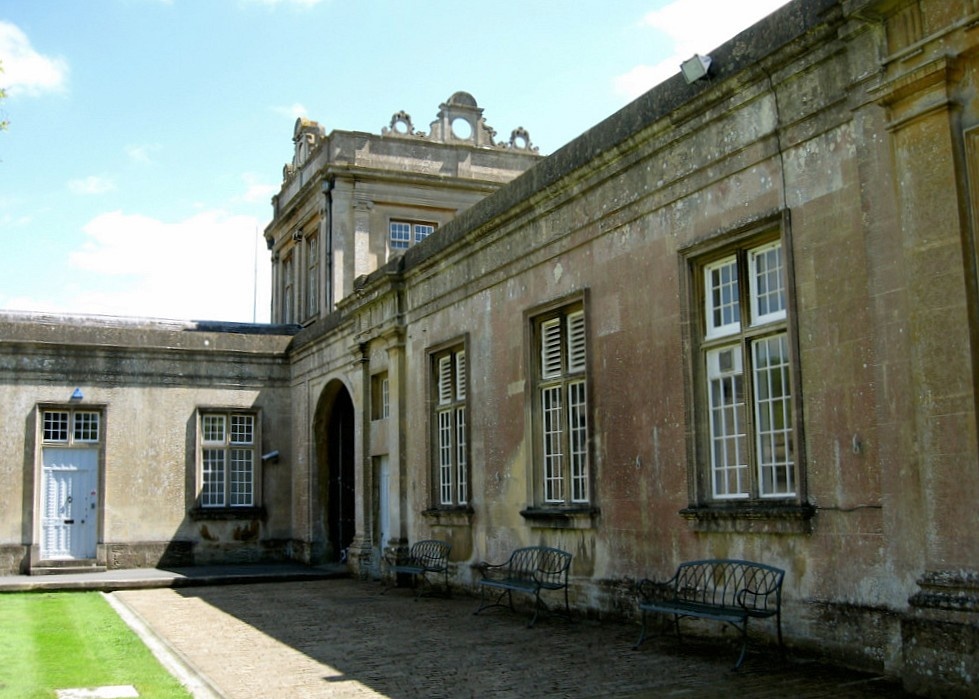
pixel 342 639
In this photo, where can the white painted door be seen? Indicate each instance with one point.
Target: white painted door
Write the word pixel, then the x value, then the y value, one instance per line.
pixel 69 507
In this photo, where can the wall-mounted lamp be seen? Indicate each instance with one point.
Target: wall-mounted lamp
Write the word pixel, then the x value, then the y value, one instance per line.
pixel 271 457
pixel 695 68
pixel 77 394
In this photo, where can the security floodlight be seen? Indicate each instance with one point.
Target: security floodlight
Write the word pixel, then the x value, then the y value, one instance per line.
pixel 695 68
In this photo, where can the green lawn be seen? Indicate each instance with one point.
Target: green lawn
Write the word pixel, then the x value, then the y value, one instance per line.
pixel 58 640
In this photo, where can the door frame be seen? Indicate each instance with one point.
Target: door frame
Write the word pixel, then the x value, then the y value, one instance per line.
pixel 97 483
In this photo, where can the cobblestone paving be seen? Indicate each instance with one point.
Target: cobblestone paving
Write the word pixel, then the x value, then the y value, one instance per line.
pixel 342 639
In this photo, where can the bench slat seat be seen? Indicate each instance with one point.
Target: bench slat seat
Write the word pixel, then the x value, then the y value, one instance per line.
pixel 726 590
pixel 430 556
pixel 529 570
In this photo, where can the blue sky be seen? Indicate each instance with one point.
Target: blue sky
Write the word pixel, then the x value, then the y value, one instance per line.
pixel 147 137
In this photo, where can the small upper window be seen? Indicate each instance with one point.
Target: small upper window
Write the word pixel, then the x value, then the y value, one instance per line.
pixel 404 234
pixel 71 426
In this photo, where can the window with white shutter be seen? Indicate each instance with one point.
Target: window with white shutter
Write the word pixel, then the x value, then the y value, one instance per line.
pixel 450 422
pixel 561 430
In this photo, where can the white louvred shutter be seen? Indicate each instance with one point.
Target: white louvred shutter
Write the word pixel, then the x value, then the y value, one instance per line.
pixel 461 376
pixel 576 341
pixel 550 348
pixel 445 380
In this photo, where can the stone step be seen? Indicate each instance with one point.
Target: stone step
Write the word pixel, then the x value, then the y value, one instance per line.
pixel 66 567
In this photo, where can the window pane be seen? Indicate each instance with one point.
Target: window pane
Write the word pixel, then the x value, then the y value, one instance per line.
pixel 242 429
pixel 212 427
pixel 212 490
pixel 767 289
pixel 55 426
pixel 578 442
pixel 773 415
pixel 729 459
pixel 86 427
pixel 422 231
pixel 723 310
pixel 241 477
pixel 552 450
pixel 400 235
pixel 445 456
pixel 462 462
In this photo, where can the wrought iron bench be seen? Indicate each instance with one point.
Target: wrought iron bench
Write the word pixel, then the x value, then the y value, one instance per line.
pixel 530 570
pixel 730 591
pixel 429 556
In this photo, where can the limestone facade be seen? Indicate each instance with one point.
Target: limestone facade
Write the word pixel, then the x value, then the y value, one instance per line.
pixel 738 318
pixel 352 201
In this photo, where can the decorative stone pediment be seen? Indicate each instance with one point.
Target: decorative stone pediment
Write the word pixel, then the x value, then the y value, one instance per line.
pixel 460 120
pixel 306 137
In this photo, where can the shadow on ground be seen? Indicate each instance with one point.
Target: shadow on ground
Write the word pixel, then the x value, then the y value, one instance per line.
pixel 343 638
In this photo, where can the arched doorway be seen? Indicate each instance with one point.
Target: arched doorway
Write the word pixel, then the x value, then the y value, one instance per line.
pixel 334 426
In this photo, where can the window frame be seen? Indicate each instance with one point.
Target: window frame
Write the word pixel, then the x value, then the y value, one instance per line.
pixel 450 413
pixel 415 233
pixel 380 396
pixel 312 253
pixel 288 286
pixel 754 328
pixel 72 438
pixel 227 445
pixel 557 381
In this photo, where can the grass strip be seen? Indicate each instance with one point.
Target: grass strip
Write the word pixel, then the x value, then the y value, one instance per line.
pixel 58 640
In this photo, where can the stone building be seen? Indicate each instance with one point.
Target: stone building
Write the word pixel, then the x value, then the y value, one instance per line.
pixel 351 201
pixel 738 318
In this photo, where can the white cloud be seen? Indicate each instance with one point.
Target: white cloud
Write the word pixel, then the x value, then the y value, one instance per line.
pixel 196 268
pixel 293 111
pixel 92 184
pixel 691 26
pixel 143 153
pixel 256 190
pixel 25 71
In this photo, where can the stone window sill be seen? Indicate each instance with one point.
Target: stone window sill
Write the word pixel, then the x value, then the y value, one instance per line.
pixel 227 513
pixel 562 517
pixel 449 516
pixel 751 518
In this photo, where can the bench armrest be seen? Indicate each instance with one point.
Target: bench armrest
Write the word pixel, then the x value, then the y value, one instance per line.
pixel 749 599
pixel 655 590
pixel 492 571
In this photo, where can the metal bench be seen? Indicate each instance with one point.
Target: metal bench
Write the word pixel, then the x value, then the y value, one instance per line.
pixel 530 570
pixel 729 591
pixel 429 556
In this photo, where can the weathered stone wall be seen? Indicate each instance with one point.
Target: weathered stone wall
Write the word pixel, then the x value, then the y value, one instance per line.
pixel 150 378
pixel 846 126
